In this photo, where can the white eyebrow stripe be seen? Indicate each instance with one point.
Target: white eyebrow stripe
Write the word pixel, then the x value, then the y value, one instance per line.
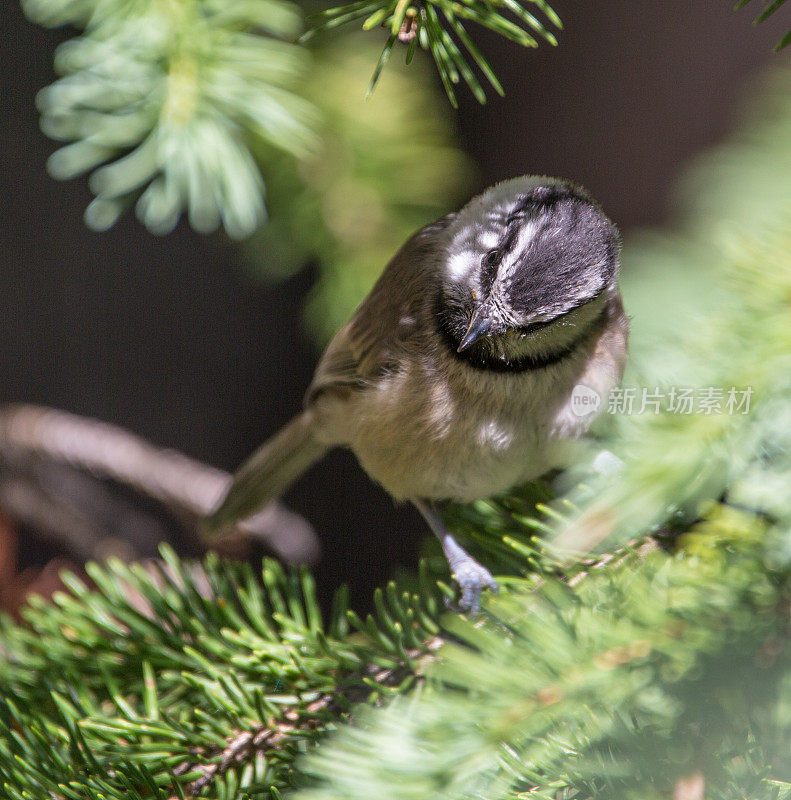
pixel 460 264
pixel 488 239
pixel 527 233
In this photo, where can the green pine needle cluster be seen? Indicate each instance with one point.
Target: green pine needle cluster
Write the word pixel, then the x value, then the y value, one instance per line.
pixel 162 101
pixel 433 24
pixel 186 109
pixel 176 680
pixel 639 675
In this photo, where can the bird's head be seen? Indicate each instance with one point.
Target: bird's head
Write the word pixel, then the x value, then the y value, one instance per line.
pixel 527 264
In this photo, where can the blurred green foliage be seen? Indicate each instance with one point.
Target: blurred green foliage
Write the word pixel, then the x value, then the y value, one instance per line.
pixel 709 303
pixel 384 167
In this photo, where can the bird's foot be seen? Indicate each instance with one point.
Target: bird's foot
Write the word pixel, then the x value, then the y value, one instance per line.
pixel 472 579
pixel 469 574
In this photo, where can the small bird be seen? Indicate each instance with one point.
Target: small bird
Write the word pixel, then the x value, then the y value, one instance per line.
pixel 454 378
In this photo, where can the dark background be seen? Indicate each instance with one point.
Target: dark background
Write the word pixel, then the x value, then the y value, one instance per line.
pixel 169 336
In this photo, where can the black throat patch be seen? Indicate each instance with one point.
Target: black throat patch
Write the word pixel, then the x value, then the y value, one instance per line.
pixel 480 357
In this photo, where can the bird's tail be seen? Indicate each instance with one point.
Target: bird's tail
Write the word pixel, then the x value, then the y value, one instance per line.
pixel 269 471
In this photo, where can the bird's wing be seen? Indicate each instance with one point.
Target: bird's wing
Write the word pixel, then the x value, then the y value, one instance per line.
pixel 337 370
pixel 369 344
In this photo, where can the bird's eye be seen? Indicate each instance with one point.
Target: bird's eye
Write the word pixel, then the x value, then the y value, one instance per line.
pixel 492 259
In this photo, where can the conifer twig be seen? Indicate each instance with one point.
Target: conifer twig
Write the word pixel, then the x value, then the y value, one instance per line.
pixel 428 24
pixel 246 744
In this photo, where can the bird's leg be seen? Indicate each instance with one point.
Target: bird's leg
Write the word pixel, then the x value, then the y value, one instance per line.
pixel 470 575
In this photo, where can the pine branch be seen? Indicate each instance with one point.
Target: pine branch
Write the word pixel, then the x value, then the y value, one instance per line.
pixel 613 687
pixel 250 743
pixel 433 24
pixel 185 665
pixel 172 680
pixel 245 746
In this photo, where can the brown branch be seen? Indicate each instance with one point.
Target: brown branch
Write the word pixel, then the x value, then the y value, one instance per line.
pixel 71 529
pixel 184 485
pixel 639 548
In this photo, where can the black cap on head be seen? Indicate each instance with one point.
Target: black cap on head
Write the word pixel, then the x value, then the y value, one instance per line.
pixel 563 251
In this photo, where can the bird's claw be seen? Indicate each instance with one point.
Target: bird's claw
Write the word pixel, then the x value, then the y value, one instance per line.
pixel 473 579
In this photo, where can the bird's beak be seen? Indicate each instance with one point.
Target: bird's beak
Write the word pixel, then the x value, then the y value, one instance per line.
pixel 480 325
